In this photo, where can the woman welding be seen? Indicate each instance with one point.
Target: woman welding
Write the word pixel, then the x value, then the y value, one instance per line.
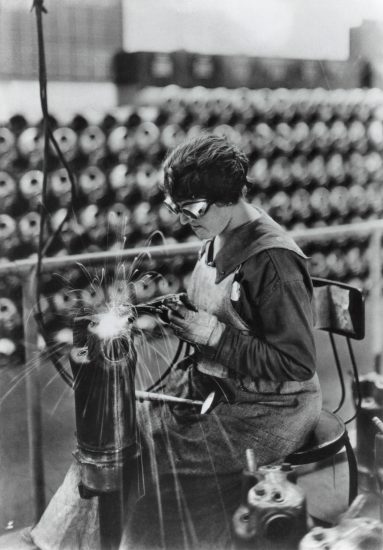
pixel 251 329
pixel 249 319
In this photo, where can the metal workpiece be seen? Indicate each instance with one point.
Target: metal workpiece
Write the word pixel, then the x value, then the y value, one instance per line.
pixel 273 512
pixel 353 531
pixel 105 421
pixel 371 386
pixel 278 506
pixel 103 363
pixel 105 413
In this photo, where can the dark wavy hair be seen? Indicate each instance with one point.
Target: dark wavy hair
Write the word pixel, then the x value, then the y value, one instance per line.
pixel 206 167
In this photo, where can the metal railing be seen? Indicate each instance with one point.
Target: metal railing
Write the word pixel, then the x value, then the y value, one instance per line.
pixel 25 270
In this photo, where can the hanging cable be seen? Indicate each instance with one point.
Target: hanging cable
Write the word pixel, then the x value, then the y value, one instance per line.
pixel 38 6
pixel 156 385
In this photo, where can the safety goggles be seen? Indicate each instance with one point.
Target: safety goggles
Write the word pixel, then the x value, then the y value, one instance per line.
pixel 192 209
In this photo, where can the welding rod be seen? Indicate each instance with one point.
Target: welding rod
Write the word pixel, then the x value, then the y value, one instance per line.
pixel 151 396
pixel 206 405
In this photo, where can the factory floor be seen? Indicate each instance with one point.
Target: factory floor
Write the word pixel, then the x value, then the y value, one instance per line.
pixel 326 488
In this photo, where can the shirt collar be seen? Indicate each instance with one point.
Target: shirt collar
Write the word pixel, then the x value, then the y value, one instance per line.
pixel 245 241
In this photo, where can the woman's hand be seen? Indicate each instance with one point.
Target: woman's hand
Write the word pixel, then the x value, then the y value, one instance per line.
pixel 197 327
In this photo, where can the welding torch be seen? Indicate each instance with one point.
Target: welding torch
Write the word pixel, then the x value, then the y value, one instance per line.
pixel 161 305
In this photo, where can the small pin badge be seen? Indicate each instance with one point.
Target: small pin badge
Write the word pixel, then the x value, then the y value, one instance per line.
pixel 235 291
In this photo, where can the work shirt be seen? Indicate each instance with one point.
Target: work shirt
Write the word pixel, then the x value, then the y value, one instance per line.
pixel 273 296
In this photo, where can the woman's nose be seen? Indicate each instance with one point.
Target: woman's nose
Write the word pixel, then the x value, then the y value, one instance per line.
pixel 184 219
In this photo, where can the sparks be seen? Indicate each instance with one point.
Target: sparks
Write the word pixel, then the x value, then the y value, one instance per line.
pixel 113 323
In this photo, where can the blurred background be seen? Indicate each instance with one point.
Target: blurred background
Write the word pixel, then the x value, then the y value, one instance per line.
pixel 297 84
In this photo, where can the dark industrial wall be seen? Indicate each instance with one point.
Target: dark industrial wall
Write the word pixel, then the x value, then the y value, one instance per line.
pixel 80 39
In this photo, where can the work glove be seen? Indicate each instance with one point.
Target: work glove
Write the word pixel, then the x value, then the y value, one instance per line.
pixel 195 326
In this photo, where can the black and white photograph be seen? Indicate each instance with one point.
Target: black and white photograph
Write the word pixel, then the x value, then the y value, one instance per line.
pixel 191 274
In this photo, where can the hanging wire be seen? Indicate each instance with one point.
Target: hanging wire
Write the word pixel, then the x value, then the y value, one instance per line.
pixel 38 6
pixel 156 385
pixel 340 373
pixel 358 392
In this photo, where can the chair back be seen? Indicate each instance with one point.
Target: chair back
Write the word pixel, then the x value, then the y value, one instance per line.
pixel 339 309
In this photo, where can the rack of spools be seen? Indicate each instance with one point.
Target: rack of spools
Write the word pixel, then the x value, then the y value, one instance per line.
pixel 315 161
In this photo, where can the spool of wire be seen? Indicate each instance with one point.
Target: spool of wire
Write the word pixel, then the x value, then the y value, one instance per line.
pixel 9 239
pixel 30 187
pixel 167 221
pixel 280 172
pixel 69 232
pixel 319 136
pixel 147 137
pixel 259 174
pixel 171 136
pixel 338 136
pixel 280 207
pixel 302 137
pixel 358 200
pixel 263 139
pixel 91 140
pixel 30 144
pixel 300 205
pixel 229 132
pixel 67 141
pixel 92 221
pixel 10 319
pixel 320 203
pixel 357 136
pixel 145 288
pixel 144 219
pixel 65 303
pixel 93 184
pixel 124 185
pixel 92 297
pixel 335 168
pixel 169 284
pixel 339 201
pixel 60 188
pixel 7 141
pixel 10 352
pixel 29 231
pixel 317 171
pixel 148 179
pixel 8 192
pixel 318 265
pixel 118 219
pixel 120 140
pixel 283 138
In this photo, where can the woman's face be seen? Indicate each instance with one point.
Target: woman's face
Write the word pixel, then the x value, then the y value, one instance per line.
pixel 212 223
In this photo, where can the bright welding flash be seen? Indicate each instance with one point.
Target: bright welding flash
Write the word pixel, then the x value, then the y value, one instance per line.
pixel 112 324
